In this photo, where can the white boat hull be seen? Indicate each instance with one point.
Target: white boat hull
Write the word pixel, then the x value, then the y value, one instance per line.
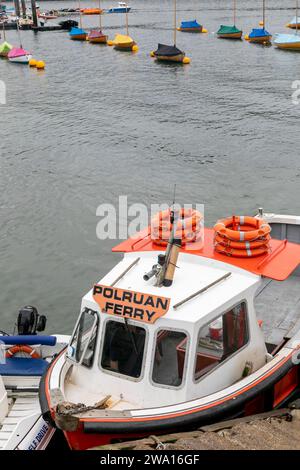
pixel 23 59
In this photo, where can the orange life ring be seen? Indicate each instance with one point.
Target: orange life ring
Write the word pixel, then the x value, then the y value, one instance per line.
pixel 220 240
pixel 22 348
pixel 248 253
pixel 242 228
pixel 188 227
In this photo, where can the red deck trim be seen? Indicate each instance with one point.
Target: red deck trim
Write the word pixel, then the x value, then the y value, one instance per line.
pixel 279 264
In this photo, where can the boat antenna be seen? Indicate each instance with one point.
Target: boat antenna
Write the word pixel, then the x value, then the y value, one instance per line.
pixel 100 14
pixel 264 14
pixel 175 21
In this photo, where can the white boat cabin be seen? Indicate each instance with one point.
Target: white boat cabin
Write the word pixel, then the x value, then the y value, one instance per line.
pixel 149 346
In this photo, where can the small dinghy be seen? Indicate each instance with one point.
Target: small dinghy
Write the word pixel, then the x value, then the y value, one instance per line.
pixel 153 352
pixel 123 42
pixel 97 37
pixel 230 32
pixel 260 36
pixel 5 48
pixel 18 55
pixel 122 8
pixel 165 53
pixel 92 11
pixel 290 42
pixel 295 23
pixel 169 53
pixel 67 25
pixel 77 34
pixel 191 27
pixel 24 359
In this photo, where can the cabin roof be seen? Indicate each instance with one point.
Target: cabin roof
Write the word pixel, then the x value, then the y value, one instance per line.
pixel 282 260
pixel 193 274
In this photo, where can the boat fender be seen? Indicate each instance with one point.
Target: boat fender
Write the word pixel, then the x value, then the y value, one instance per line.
pixel 186 60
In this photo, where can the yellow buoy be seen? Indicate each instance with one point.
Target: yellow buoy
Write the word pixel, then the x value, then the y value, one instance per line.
pixel 135 48
pixel 40 65
pixel 32 63
pixel 246 37
pixel 204 30
pixel 186 60
pixel 261 23
pixel 152 54
pixel 110 43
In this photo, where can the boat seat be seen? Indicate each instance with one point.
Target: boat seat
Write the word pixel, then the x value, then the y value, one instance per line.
pixel 26 366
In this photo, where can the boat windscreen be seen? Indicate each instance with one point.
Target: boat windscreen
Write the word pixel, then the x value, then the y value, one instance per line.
pixel 123 348
pixel 167 51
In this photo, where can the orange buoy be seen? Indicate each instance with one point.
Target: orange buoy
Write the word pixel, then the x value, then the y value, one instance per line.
pixel 188 230
pixel 242 236
pixel 246 253
pixel 242 228
pixel 220 240
pixel 24 349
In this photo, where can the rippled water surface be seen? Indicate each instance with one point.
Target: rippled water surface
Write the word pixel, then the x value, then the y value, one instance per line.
pixel 99 123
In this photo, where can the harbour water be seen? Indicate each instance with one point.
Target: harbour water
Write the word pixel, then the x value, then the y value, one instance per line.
pixel 98 123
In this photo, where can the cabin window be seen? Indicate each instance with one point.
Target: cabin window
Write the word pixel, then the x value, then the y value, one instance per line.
pixel 123 349
pixel 220 339
pixel 169 358
pixel 83 342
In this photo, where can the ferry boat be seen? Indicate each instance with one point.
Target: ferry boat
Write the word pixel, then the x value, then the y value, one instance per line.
pixel 178 335
pixel 24 359
pixel 121 8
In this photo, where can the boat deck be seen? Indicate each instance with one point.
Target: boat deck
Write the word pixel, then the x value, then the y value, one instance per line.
pixel 278 306
pixel 19 409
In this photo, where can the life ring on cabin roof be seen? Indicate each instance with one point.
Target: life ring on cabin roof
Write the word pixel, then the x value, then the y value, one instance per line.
pixel 242 228
pixel 260 242
pixel 246 253
pixel 188 230
pixel 22 348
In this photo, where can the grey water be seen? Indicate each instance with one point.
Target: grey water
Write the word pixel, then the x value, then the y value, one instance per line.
pixel 99 123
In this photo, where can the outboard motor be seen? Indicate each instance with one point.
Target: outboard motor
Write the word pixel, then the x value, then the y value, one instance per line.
pixel 29 321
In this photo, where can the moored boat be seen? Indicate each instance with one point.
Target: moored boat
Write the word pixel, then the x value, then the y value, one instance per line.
pixel 289 42
pixel 294 23
pixel 121 8
pixel 123 42
pixel 259 36
pixel 230 32
pixel 153 352
pixel 5 48
pixel 18 55
pixel 92 11
pixel 191 27
pixel 24 359
pixel 167 53
pixel 77 34
pixel 97 37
